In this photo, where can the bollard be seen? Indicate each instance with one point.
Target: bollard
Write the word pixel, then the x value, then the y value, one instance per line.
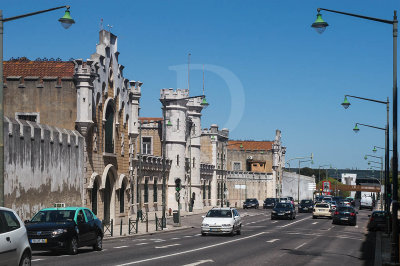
pixel 112 227
pixel 170 211
pixel 147 222
pixel 137 225
pixel 129 226
pixel 120 229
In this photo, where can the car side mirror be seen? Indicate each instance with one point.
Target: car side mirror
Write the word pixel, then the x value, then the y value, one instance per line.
pixel 26 222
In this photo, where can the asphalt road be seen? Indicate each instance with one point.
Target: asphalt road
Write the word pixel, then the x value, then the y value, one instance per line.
pixel 303 241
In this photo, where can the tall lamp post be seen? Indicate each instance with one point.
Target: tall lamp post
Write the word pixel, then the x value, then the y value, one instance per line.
pixel 310 158
pixel 298 179
pixel 66 21
pixel 319 168
pixel 223 185
pixel 320 26
pixel 346 105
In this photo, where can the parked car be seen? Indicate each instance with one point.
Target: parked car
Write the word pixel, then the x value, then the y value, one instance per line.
pixel 221 221
pixel 366 203
pixel 377 221
pixel 14 245
pixel 250 203
pixel 305 206
pixel 345 215
pixel 322 209
pixel 65 229
pixel 283 210
pixel 270 203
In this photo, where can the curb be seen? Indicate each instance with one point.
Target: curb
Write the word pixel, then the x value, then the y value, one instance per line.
pixel 149 233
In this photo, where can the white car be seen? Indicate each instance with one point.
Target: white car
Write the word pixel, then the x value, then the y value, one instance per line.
pixel 221 221
pixel 14 245
pixel 366 202
pixel 322 209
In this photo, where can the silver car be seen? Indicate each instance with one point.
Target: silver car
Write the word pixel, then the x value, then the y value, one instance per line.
pixel 14 245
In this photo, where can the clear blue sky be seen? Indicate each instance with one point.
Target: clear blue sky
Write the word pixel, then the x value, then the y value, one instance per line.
pixel 293 79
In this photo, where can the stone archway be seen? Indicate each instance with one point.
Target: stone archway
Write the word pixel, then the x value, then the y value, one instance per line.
pixel 108 184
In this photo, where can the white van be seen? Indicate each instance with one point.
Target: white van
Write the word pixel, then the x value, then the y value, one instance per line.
pixel 366 202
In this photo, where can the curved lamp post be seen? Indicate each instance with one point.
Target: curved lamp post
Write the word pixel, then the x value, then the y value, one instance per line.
pixel 66 22
pixel 320 25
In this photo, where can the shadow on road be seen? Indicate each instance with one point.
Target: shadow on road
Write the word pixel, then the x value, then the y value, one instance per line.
pixel 368 249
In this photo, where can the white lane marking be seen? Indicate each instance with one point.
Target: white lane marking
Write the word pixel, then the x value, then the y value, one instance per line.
pixel 356 226
pixel 314 222
pixel 190 250
pixel 197 235
pixel 272 240
pixel 188 236
pixel 103 249
pixel 121 247
pixel 198 262
pixel 294 233
pixel 301 245
pixel 331 228
pixel 141 244
pixel 36 259
pixel 282 226
pixel 64 255
pixel 167 246
pixel 161 240
pixel 175 238
pixel 274 222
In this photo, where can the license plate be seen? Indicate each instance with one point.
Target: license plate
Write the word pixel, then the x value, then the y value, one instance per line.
pixel 280 213
pixel 321 210
pixel 38 241
pixel 344 218
pixel 215 230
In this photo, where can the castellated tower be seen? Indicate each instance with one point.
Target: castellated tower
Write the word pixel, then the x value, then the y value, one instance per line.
pixel 175 113
pixel 194 116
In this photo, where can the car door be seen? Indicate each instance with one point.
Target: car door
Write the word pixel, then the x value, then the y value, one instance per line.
pixel 92 226
pixel 9 237
pixel 237 218
pixel 83 226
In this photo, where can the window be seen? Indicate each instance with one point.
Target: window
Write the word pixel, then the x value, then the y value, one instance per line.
pixel 122 198
pixel 209 190
pixel 237 166
pixel 89 215
pixel 204 190
pixel 194 129
pixel 146 191
pixel 80 218
pixel 177 160
pixel 155 190
pixel 94 198
pixel 177 124
pixel 8 222
pixel 109 129
pixel 28 117
pixel 194 162
pixel 218 191
pixel 146 145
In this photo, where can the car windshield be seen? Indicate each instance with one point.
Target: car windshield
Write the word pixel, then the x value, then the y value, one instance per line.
pixel 378 214
pixel 283 198
pixel 54 216
pixel 283 205
pixel 305 201
pixel 219 213
pixel 250 200
pixel 346 209
pixel 269 200
pixel 322 205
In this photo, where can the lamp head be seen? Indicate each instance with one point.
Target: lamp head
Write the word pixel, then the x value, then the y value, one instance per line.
pixel 169 123
pixel 374 149
pixel 204 103
pixel 365 157
pixel 356 129
pixel 319 25
pixel 66 21
pixel 345 103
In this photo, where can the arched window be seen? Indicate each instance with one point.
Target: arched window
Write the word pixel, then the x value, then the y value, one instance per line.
pixel 204 190
pixel 177 159
pixel 194 162
pixel 218 191
pixel 209 190
pixel 177 124
pixel 155 191
pixel 109 129
pixel 94 198
pixel 122 198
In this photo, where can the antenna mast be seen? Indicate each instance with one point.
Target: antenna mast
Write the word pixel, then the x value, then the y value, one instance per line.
pixel 189 71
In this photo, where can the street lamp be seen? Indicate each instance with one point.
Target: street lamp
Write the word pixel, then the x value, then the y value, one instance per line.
pixel 66 22
pixel 346 105
pixel 320 26
pixel 310 158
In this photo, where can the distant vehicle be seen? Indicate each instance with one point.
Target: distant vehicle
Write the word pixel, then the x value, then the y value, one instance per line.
pixel 345 215
pixel 351 200
pixel 283 210
pixel 250 203
pixel 287 199
pixel 14 245
pixel 337 199
pixel 221 221
pixel 322 209
pixel 305 206
pixel 327 199
pixel 366 203
pixel 270 203
pixel 291 200
pixel 377 221
pixel 65 229
pixel 334 205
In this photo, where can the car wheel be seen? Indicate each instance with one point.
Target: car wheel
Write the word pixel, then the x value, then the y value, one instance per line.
pixel 203 234
pixel 73 246
pixel 314 217
pixel 25 259
pixel 99 243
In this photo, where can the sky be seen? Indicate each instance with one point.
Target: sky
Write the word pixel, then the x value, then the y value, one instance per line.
pixel 265 68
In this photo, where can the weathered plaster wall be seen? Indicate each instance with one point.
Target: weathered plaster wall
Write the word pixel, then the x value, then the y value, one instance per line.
pixel 43 165
pixel 290 185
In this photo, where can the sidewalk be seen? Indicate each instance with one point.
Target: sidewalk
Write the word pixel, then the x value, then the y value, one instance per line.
pixel 149 227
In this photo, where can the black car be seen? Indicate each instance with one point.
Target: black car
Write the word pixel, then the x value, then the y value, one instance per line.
pixel 270 203
pixel 250 203
pixel 344 215
pixel 283 210
pixel 65 229
pixel 306 206
pixel 377 221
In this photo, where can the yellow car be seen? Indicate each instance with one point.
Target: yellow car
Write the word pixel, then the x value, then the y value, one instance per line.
pixel 322 209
